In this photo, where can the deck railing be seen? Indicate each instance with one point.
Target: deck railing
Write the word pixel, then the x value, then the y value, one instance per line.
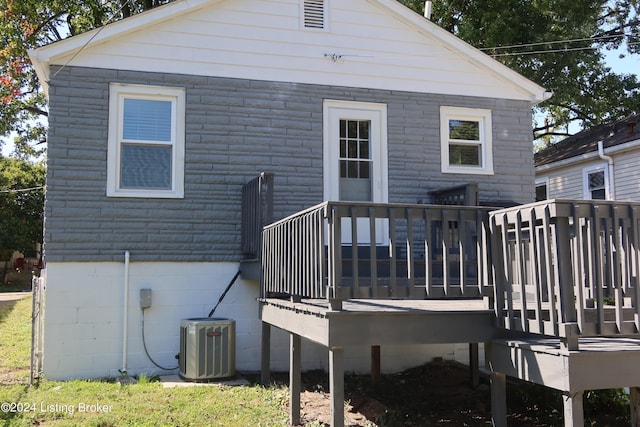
pixel 257 211
pixel 568 268
pixel 341 250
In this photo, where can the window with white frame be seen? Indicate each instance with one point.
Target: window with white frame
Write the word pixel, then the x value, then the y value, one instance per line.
pixel 542 189
pixel 146 141
pixel 596 182
pixel 466 142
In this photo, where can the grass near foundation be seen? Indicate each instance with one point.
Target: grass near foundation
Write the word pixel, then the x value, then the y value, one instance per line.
pixel 107 403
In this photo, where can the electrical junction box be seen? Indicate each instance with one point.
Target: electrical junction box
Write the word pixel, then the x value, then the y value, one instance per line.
pixel 145 298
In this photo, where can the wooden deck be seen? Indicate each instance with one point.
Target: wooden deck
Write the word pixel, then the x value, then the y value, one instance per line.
pixel 601 363
pixel 553 288
pixel 373 323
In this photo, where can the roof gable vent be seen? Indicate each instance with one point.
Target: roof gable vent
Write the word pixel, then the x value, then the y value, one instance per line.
pixel 314 14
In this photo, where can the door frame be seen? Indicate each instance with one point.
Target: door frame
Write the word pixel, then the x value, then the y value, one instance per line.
pixel 333 111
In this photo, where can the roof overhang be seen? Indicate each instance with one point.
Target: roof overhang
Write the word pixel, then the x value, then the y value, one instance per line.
pixel 586 157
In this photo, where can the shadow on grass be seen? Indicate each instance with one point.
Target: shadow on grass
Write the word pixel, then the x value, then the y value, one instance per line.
pixel 21 286
pixel 6 307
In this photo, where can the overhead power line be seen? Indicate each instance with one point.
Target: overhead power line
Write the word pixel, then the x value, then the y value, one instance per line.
pixel 92 37
pixel 22 190
pixel 538 52
pixel 559 41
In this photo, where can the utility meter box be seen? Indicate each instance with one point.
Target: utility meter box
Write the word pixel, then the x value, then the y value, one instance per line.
pixel 207 348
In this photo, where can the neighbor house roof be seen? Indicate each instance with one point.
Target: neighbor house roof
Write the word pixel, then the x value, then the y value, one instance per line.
pixel 416 66
pixel 586 142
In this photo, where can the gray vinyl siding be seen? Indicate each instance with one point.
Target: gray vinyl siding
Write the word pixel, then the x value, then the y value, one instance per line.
pixel 236 129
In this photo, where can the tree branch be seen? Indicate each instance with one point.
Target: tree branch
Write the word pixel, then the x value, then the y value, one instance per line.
pixel 35 110
pixel 48 21
pixel 541 135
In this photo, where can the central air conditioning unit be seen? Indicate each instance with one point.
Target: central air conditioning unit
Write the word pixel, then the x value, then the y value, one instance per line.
pixel 207 348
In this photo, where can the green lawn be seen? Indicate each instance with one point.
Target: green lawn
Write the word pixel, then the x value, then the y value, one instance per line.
pixel 107 403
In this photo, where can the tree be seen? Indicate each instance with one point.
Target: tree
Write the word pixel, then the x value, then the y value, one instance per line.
pixel 27 24
pixel 21 206
pixel 559 44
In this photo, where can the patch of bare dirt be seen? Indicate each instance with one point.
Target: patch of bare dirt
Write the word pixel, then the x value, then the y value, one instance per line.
pixel 440 393
pixel 15 376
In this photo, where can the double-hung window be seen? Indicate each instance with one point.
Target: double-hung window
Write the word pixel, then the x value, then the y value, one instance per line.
pixel 596 182
pixel 542 189
pixel 146 141
pixel 466 143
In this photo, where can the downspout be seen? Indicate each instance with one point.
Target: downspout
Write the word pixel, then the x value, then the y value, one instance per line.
pixel 125 332
pixel 609 160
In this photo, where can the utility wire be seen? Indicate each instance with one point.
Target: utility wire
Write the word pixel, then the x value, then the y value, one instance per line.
pixel 99 30
pixel 559 41
pixel 22 190
pixel 537 52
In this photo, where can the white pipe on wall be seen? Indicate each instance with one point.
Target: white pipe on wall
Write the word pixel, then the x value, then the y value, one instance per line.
pixel 609 159
pixel 125 332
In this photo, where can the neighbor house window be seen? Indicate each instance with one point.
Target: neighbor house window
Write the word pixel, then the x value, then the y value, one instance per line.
pixel 466 140
pixel 596 183
pixel 542 189
pixel 146 141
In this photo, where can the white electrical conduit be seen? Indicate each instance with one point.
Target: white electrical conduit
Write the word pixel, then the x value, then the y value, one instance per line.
pixel 125 333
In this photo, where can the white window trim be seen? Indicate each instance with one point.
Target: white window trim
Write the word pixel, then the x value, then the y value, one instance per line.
pixel 542 181
pixel 585 180
pixel 483 116
pixel 117 93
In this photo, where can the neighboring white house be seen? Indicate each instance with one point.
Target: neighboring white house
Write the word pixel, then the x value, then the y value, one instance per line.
pixel 598 163
pixel 158 120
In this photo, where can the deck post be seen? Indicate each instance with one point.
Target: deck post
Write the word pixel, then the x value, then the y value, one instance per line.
pixel 573 409
pixel 295 345
pixel 375 364
pixel 265 360
pixel 498 399
pixel 336 385
pixel 634 401
pixel 474 364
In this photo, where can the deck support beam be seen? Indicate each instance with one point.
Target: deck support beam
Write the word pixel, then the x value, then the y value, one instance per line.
pixel 573 409
pixel 336 385
pixel 265 360
pixel 295 344
pixel 498 399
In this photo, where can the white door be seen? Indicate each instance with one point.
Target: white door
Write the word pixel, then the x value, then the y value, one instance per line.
pixel 355 159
